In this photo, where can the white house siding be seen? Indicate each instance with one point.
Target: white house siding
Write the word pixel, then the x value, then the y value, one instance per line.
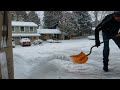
pixel 27 29
pixel 17 28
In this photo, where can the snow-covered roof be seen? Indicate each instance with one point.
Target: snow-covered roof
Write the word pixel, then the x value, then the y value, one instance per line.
pixel 48 31
pixel 24 35
pixel 21 23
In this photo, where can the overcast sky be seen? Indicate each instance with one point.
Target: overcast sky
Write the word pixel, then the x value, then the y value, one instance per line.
pixel 40 14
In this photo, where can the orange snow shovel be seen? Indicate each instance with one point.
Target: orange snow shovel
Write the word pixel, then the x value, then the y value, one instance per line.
pixel 82 57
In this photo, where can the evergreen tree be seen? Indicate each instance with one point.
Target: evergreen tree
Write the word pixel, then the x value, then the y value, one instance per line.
pixel 51 19
pixel 68 24
pixel 33 17
pixel 84 21
pixel 20 16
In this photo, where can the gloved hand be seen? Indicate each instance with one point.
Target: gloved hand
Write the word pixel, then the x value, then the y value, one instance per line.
pixel 117 35
pixel 97 43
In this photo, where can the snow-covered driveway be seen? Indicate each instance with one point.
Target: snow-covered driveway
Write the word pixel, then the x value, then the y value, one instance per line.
pixel 51 61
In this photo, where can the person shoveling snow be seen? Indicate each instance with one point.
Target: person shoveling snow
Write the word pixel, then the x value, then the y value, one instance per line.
pixel 110 26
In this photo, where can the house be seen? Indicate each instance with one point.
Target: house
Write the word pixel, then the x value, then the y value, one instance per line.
pixel 49 34
pixel 22 29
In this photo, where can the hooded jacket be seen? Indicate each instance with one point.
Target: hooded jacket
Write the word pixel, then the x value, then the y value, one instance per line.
pixel 109 26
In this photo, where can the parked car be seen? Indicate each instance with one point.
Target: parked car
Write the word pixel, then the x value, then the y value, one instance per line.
pixel 37 42
pixel 50 40
pixel 53 41
pixel 92 37
pixel 25 42
pixel 13 43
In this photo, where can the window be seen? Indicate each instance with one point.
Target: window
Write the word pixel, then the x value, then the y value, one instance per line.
pixel 22 29
pixel 31 29
pixel 13 29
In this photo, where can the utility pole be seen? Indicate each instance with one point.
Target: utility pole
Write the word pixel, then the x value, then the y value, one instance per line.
pixel 6 51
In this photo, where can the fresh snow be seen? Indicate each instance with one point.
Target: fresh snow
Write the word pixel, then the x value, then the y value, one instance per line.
pixel 22 23
pixel 48 31
pixel 52 61
pixel 24 35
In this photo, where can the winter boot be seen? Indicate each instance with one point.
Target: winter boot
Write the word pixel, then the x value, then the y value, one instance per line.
pixel 105 68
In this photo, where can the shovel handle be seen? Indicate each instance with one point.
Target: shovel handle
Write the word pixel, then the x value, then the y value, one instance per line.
pixel 92 48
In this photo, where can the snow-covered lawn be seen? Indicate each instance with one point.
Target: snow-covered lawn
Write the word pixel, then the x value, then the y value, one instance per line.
pixel 51 61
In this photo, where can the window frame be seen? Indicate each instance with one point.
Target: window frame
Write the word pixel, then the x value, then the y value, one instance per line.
pixel 30 29
pixel 21 27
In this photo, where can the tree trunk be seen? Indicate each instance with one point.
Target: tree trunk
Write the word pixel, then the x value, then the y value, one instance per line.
pixel 96 18
pixel 8 49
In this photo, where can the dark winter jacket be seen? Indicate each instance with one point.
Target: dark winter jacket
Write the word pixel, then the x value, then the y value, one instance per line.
pixel 109 26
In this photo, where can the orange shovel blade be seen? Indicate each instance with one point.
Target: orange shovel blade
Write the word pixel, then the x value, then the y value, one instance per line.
pixel 79 58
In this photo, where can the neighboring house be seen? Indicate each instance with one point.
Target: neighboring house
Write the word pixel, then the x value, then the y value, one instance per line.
pixel 22 29
pixel 49 34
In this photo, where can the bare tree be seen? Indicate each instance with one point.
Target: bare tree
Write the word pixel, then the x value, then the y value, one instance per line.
pixel 96 17
pixel 103 14
pixel 99 16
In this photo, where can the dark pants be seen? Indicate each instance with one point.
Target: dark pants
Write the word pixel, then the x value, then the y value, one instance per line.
pixel 106 48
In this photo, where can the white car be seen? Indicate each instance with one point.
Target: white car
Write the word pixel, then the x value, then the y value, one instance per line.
pixel 92 37
pixel 37 42
pixel 53 41
pixel 25 42
pixel 50 40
